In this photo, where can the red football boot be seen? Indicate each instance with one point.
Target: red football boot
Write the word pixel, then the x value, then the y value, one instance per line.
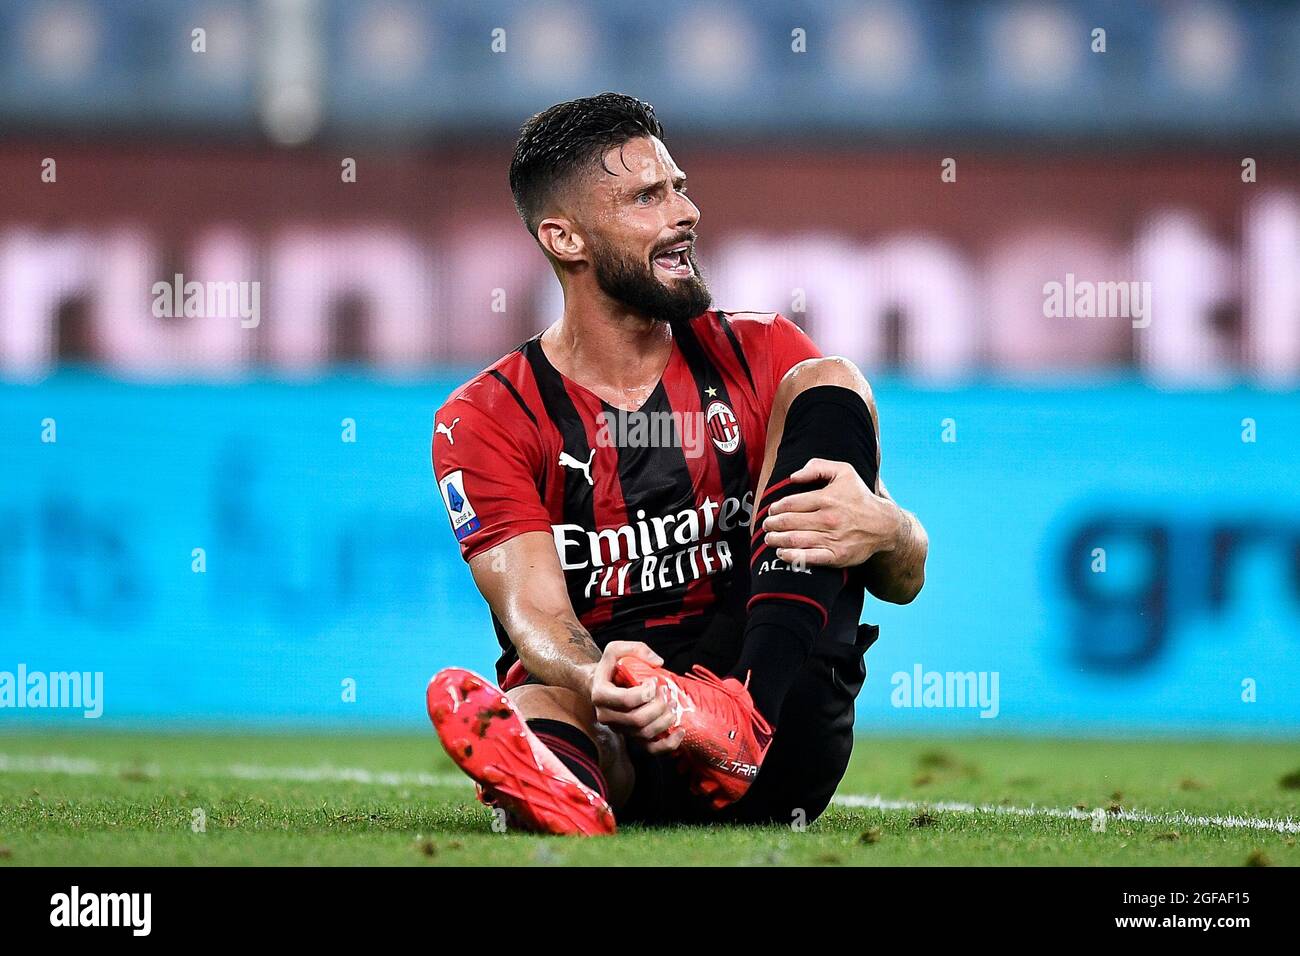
pixel 481 730
pixel 726 737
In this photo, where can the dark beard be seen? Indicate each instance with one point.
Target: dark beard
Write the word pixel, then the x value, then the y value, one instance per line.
pixel 634 284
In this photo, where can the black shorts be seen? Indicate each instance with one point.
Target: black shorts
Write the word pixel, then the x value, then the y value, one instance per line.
pixel 808 756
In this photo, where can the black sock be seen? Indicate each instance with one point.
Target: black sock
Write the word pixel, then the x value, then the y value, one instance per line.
pixel 778 637
pixel 574 749
pixel 789 607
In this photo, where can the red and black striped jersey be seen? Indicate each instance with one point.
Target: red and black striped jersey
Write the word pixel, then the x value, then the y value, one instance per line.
pixel 650 509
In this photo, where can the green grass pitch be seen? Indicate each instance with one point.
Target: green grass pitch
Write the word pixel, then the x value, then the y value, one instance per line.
pixel 96 799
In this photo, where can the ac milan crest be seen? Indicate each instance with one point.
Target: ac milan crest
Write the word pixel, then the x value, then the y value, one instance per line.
pixel 723 427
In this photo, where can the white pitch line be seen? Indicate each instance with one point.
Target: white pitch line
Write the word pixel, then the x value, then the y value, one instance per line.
pixel 328 774
pixel 325 773
pixel 1175 818
pixel 52 763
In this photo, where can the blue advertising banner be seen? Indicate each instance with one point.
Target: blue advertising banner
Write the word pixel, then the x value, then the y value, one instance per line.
pixel 1103 559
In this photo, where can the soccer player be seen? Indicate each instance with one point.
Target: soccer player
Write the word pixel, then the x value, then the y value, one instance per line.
pixel 673 513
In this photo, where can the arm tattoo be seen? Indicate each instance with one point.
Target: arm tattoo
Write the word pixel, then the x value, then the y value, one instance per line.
pixel 579 638
pixel 897 575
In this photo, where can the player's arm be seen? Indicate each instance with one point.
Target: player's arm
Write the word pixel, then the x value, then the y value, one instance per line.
pixel 891 536
pixel 522 581
pixel 897 572
pixel 845 524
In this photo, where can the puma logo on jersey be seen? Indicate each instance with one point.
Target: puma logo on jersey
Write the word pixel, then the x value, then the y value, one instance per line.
pixel 568 461
pixel 441 429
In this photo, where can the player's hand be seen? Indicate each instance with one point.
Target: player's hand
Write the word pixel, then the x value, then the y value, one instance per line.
pixel 637 712
pixel 839 526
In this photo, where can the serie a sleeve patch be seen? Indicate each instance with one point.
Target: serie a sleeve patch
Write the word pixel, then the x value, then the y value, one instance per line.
pixel 464 519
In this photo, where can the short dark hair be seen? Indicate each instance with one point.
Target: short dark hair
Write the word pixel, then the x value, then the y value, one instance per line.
pixel 568 137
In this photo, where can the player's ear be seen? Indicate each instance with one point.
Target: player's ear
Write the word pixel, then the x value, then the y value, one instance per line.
pixel 561 242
